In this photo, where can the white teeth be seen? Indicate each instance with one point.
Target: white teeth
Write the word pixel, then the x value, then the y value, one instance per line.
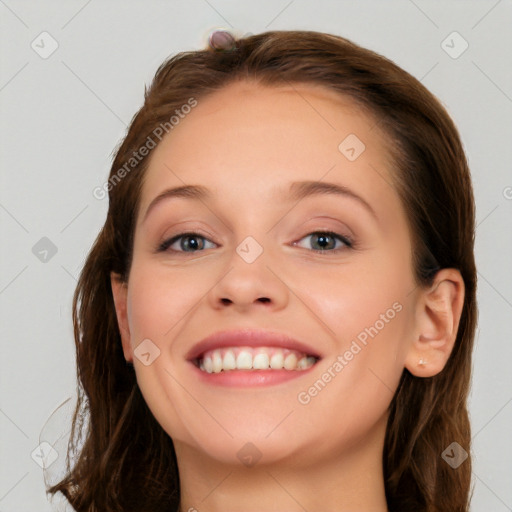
pixel 305 362
pixel 258 358
pixel 229 361
pixel 244 360
pixel 290 362
pixel 208 365
pixel 216 361
pixel 277 361
pixel 260 362
pixel 302 363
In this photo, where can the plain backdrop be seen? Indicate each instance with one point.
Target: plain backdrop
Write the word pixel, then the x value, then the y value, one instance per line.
pixel 66 98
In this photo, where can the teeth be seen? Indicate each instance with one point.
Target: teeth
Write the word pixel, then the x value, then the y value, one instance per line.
pixel 306 362
pixel 229 361
pixel 244 360
pixel 260 362
pixel 277 361
pixel 260 358
pixel 208 365
pixel 290 362
pixel 216 361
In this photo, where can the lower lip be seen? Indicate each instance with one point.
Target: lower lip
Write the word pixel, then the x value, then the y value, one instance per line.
pixel 250 378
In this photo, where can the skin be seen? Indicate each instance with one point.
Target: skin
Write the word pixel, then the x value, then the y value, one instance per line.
pixel 247 143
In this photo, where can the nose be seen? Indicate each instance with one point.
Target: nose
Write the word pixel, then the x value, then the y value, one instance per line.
pixel 250 283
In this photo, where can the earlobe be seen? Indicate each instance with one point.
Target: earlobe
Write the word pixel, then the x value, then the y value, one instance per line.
pixel 120 295
pixel 438 313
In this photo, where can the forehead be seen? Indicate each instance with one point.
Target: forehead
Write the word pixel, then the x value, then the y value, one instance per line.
pixel 251 141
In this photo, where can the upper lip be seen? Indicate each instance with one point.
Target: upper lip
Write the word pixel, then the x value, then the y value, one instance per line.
pixel 249 338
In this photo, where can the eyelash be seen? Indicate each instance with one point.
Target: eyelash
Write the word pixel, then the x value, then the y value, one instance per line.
pixel 348 242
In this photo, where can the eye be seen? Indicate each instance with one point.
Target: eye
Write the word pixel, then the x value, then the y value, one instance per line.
pixel 194 242
pixel 185 242
pixel 326 240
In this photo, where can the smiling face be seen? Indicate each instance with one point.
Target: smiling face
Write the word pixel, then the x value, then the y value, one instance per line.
pixel 331 261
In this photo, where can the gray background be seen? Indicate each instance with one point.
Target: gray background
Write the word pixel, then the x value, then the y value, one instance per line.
pixel 62 116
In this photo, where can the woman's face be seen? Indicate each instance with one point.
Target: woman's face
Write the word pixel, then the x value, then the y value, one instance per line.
pixel 254 262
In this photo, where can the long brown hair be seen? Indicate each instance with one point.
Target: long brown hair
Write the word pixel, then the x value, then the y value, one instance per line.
pixel 127 462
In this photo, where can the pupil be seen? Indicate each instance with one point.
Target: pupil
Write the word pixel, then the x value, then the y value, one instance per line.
pixel 191 243
pixel 322 239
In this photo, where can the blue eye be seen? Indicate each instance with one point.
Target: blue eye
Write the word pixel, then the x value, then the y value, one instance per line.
pixel 326 240
pixel 190 242
pixel 194 242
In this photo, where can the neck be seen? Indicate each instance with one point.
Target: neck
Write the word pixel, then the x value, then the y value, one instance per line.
pixel 345 480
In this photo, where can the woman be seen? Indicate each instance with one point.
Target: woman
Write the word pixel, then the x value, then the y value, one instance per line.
pixel 279 311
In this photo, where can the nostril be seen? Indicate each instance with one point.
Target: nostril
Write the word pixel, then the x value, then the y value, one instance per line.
pixel 229 301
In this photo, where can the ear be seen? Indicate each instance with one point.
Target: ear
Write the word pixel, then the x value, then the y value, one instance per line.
pixel 120 293
pixel 438 312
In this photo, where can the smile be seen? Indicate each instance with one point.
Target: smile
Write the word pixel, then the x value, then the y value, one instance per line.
pixel 254 358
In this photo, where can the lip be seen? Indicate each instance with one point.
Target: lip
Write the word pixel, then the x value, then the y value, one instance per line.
pixel 249 338
pixel 249 378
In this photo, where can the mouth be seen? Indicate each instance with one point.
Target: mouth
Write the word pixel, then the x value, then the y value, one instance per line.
pixel 253 358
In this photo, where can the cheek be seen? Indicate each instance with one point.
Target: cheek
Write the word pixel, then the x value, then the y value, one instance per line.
pixel 160 300
pixel 158 303
pixel 353 387
pixel 367 313
pixel 352 299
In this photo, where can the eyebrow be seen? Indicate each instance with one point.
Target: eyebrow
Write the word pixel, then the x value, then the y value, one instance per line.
pixel 197 192
pixel 298 190
pixel 302 189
